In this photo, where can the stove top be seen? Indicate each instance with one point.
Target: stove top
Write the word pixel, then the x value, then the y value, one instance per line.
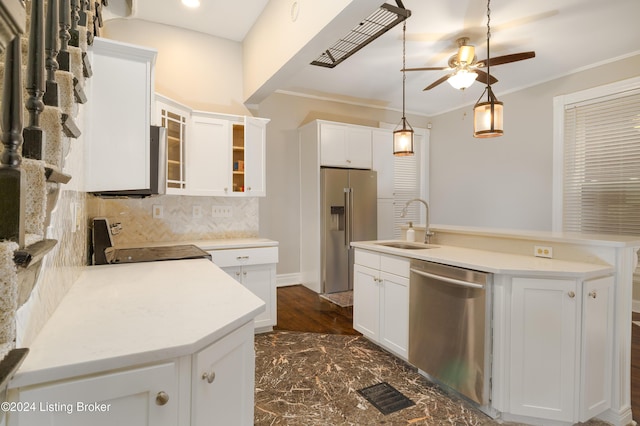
pixel 153 254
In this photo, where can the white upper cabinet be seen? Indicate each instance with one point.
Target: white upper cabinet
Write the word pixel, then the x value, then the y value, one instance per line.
pixel 255 156
pixel 344 145
pixel 211 154
pixel 117 148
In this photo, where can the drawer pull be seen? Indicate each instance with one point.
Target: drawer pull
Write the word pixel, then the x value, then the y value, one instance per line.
pixel 162 398
pixel 593 294
pixel 209 377
pixel 242 257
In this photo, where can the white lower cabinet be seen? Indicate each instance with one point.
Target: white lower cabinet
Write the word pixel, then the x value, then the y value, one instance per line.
pixel 254 268
pixel 561 333
pixel 138 397
pixel 223 381
pixel 381 300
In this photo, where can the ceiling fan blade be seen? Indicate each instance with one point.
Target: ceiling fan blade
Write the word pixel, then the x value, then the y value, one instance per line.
pixel 437 82
pixel 483 76
pixel 499 60
pixel 426 69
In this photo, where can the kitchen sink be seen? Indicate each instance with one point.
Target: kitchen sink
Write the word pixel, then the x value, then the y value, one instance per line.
pixel 407 245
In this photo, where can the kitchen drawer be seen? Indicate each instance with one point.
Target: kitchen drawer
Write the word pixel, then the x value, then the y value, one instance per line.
pixel 367 258
pixel 395 265
pixel 245 256
pixel 388 263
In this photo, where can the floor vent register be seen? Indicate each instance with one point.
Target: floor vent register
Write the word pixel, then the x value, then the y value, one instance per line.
pixel 385 398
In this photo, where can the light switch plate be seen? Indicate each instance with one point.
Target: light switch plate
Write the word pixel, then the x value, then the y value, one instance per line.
pixel 157 211
pixel 221 211
pixel 197 212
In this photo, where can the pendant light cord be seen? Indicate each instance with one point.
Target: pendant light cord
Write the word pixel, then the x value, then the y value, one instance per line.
pixel 488 49
pixel 404 73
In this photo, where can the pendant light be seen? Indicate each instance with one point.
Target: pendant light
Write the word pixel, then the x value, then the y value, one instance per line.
pixel 487 116
pixel 403 135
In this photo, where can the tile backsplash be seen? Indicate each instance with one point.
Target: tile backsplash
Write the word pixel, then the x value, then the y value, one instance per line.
pixel 183 218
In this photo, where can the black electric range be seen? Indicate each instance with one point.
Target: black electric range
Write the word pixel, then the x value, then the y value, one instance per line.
pixel 152 254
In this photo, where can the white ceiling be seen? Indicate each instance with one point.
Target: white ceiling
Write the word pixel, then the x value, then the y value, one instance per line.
pixel 566 35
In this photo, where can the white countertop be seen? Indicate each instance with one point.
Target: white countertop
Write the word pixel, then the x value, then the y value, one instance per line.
pixel 221 244
pixel 494 262
pixel 118 316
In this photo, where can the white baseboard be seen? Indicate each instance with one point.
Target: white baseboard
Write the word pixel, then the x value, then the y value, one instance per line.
pixel 635 307
pixel 283 280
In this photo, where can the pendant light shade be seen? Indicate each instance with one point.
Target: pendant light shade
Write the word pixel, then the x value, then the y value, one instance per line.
pixel 403 134
pixel 487 116
pixel 403 139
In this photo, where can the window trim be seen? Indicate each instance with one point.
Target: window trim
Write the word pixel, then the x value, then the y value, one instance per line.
pixel 559 104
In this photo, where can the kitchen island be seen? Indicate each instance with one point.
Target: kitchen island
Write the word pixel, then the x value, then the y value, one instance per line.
pixel 155 343
pixel 560 327
pixel 250 261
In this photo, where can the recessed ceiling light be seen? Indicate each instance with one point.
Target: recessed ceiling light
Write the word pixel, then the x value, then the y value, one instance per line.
pixel 191 3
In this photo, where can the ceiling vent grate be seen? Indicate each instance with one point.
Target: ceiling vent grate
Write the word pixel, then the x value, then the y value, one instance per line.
pixel 379 22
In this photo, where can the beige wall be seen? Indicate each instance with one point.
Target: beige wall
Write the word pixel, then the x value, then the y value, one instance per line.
pixel 198 70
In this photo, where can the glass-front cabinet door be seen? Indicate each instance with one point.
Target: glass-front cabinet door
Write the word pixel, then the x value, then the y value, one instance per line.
pixel 174 118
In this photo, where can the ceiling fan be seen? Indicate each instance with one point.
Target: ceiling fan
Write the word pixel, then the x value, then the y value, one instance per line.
pixel 466 68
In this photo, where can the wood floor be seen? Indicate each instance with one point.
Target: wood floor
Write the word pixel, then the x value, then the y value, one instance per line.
pixel 300 309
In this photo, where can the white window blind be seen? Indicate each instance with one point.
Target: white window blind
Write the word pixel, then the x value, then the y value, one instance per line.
pixel 405 187
pixel 601 179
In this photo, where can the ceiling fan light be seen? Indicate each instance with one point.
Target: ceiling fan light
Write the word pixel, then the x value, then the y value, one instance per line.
pixel 487 119
pixel 191 3
pixel 466 54
pixel 462 79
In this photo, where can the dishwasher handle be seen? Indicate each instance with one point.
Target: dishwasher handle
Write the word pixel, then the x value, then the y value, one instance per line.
pixel 447 279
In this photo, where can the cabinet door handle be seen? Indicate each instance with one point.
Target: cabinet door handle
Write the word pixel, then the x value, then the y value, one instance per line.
pixel 571 294
pixel 226 189
pixel 162 398
pixel 349 161
pixel 209 377
pixel 237 273
pixel 593 294
pixel 248 188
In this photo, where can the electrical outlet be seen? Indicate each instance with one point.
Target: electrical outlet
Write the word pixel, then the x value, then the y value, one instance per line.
pixel 197 212
pixel 543 251
pixel 222 211
pixel 157 211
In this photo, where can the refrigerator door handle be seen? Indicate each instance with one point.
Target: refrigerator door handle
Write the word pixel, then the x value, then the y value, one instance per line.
pixel 347 217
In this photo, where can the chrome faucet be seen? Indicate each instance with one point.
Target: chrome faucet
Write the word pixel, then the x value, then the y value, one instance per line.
pixel 427 233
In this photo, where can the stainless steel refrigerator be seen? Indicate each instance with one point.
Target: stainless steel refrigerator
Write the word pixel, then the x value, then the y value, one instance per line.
pixel 348 199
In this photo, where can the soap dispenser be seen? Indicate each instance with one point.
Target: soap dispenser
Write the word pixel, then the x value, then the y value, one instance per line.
pixel 411 233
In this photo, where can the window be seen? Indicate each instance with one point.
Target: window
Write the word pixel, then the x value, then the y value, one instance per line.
pixel 597 160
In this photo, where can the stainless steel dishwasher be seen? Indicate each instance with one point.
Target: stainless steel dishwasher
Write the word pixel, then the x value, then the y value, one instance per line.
pixel 450 327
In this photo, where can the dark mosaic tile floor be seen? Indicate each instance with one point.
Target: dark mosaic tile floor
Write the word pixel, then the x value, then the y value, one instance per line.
pixel 312 379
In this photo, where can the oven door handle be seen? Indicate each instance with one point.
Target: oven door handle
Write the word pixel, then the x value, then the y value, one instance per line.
pixel 447 279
